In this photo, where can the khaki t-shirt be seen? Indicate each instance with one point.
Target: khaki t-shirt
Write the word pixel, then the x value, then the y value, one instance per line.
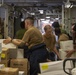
pixel 63 37
pixel 33 37
pixel 50 41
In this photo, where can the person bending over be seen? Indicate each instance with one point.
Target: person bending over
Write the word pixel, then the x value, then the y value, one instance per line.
pixel 50 41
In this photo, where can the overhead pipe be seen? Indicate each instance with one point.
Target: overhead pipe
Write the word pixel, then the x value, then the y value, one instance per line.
pixel 26 11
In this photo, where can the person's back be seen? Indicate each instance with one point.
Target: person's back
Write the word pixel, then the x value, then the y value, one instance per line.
pixel 34 37
pixel 49 41
pixel 63 37
pixel 20 32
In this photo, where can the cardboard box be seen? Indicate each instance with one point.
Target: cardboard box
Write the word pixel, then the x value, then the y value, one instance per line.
pixel 66 45
pixel 5 62
pixel 5 54
pixel 20 63
pixel 12 49
pixel 20 53
pixel 13 53
pixel 9 71
pixel 58 72
pixel 9 45
pixel 63 54
pixel 53 66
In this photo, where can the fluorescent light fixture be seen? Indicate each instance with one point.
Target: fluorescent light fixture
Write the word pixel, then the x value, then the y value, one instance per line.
pixel 46 21
pixel 41 11
pixel 71 6
pixel 42 19
pixel 32 13
pixel 47 16
pixel 56 18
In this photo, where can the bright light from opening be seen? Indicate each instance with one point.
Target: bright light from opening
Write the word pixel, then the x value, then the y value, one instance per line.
pixel 51 22
pixel 46 21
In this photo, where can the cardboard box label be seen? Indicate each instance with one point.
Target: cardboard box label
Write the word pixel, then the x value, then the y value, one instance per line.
pixel 44 66
pixel 3 55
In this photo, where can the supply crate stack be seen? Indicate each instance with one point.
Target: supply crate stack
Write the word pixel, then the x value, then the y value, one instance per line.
pixel 12 61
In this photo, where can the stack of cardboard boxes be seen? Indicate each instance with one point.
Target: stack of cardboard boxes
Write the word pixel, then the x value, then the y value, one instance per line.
pixel 13 64
pixel 64 47
pixel 17 67
pixel 22 64
pixel 5 62
pixel 5 57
